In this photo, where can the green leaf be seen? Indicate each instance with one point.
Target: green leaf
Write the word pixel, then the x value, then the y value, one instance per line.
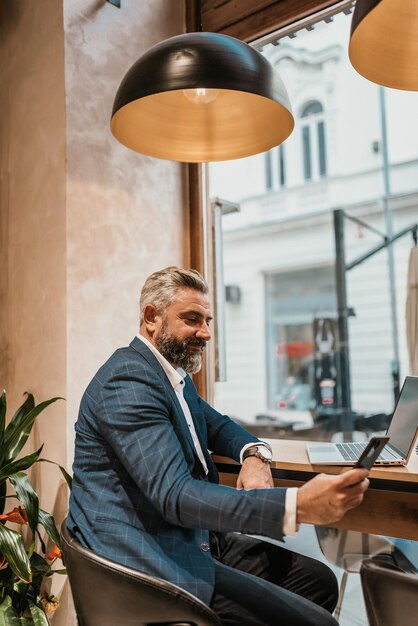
pixel 21 464
pixel 31 548
pixel 27 406
pixel 38 564
pixel 3 406
pixel 19 429
pixel 68 479
pixel 7 578
pixel 41 541
pixel 28 497
pixel 8 615
pixel 12 548
pixel 47 521
pixel 40 568
pixel 38 615
pixel 3 492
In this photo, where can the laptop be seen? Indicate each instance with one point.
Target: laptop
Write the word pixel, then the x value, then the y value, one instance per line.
pixel 402 432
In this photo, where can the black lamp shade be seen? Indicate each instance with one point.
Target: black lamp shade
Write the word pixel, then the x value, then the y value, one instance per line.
pixel 384 42
pixel 201 97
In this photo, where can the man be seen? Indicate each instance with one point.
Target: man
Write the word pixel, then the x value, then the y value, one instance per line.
pixel 145 489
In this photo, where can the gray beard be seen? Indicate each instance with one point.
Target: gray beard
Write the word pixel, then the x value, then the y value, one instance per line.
pixel 176 352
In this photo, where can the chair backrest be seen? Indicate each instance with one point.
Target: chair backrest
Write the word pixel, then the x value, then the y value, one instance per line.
pixel 348 548
pixel 108 593
pixel 390 594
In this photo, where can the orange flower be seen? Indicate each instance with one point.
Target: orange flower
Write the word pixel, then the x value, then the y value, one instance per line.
pixel 55 554
pixel 17 516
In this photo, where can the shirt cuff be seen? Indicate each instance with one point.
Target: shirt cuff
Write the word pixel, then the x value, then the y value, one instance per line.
pixel 290 527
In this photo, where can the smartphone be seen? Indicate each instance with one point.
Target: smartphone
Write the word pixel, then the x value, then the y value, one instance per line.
pixel 371 452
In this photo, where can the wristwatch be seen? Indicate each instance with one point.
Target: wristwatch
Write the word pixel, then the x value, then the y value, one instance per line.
pixel 261 452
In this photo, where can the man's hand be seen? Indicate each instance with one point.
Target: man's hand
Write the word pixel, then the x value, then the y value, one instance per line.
pixel 325 499
pixel 254 474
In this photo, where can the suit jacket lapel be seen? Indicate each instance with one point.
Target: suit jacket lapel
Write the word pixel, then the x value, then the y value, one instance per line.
pixel 192 399
pixel 140 347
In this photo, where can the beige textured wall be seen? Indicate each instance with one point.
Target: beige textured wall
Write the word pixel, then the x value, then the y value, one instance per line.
pixel 33 230
pixel 125 211
pixel 83 220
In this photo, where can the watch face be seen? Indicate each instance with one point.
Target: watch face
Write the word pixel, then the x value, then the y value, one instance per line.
pixel 264 453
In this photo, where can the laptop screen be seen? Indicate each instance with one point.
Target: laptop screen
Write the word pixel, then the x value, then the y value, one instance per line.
pixel 404 422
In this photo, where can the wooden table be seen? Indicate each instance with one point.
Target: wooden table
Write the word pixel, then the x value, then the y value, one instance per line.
pixel 390 505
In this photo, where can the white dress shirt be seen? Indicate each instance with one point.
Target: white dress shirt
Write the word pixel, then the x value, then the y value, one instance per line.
pixel 176 378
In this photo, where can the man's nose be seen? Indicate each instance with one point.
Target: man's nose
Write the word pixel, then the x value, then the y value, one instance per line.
pixel 204 332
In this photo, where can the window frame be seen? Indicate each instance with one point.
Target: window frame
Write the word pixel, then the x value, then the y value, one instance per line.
pixel 247 21
pixel 314 158
pixel 275 168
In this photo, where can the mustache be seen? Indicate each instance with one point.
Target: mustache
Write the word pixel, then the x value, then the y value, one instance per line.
pixel 196 342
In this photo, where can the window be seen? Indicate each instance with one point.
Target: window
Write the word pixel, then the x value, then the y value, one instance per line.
pixel 275 168
pixel 269 170
pixel 281 166
pixel 295 302
pixel 283 359
pixel 313 141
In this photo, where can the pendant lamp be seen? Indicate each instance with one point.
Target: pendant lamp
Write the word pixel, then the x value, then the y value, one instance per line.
pixel 201 97
pixel 384 42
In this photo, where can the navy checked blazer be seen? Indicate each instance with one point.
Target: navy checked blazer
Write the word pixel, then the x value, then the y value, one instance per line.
pixel 140 495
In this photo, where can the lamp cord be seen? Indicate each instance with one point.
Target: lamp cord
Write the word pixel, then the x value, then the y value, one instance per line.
pixel 199 15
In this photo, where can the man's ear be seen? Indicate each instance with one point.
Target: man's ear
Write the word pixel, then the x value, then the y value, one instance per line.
pixel 150 318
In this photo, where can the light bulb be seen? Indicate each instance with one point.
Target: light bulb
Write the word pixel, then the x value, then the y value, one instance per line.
pixel 201 95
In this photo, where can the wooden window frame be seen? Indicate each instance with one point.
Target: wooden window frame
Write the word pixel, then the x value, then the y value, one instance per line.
pixel 249 19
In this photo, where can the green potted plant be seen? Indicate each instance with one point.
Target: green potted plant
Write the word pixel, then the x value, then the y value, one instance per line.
pixel 25 564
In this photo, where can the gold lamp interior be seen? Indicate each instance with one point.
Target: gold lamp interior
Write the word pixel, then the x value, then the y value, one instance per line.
pixel 384 42
pixel 232 125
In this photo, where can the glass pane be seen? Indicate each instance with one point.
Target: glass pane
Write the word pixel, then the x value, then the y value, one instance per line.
pixel 311 109
pixel 321 149
pixel 282 170
pixel 307 167
pixel 295 302
pixel 269 174
pixel 283 352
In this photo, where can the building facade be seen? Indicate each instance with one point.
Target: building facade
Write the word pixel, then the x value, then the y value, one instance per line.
pixel 279 248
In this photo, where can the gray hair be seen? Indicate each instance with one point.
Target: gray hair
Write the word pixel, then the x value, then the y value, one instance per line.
pixel 161 288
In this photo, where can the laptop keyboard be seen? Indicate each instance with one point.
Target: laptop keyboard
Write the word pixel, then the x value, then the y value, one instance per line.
pixel 352 451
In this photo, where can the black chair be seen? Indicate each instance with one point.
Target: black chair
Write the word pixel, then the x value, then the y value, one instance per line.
pixel 106 593
pixel 348 549
pixel 390 594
